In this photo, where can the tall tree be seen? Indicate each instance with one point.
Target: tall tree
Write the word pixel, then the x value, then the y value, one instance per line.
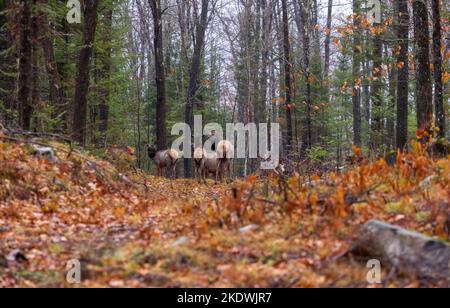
pixel 377 84
pixel 105 75
pixel 35 91
pixel 201 24
pixel 287 76
pixel 356 72
pixel 159 74
pixel 7 65
pixel 402 73
pixel 83 71
pixel 25 68
pixel 303 26
pixel 424 94
pixel 437 54
pixel 266 20
pixel 328 39
pixel 46 40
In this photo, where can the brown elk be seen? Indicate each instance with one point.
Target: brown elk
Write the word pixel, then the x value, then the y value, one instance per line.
pixel 198 160
pixel 205 164
pixel 217 164
pixel 164 160
pixel 225 152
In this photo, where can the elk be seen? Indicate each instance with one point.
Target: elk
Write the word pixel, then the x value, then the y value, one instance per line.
pixel 217 163
pixel 198 159
pixel 205 164
pixel 225 154
pixel 279 170
pixel 164 160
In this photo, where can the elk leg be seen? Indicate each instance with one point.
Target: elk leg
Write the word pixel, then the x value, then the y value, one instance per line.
pixel 217 173
pixel 199 174
pixel 203 172
pixel 229 180
pixel 174 172
pixel 222 171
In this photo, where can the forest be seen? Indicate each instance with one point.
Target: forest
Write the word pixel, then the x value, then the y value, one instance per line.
pixel 354 96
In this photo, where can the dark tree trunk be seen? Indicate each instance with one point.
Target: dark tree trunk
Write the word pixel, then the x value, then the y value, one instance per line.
pixel 25 68
pixel 328 40
pixel 83 72
pixel 160 75
pixel 34 66
pixel 194 74
pixel 65 109
pixel 402 74
pixel 390 123
pixel 287 77
pixel 356 95
pixel 265 38
pixel 302 25
pixel 377 91
pixel 437 54
pixel 366 90
pixel 7 65
pixel 424 89
pixel 56 91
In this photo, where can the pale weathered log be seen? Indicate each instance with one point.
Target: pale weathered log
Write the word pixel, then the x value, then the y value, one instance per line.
pixel 406 251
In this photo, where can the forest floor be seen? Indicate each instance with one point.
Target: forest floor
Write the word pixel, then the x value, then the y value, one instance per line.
pixel 130 229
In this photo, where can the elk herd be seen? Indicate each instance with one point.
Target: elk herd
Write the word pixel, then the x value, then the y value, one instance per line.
pixel 217 163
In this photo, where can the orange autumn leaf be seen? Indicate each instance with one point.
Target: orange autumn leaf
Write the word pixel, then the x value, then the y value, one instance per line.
pixel 130 150
pixel 314 199
pixel 311 79
pixel 344 87
pixel 446 77
pixel 356 151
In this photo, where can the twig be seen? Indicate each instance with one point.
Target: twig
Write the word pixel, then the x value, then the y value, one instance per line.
pixel 250 197
pixel 25 133
pixel 265 201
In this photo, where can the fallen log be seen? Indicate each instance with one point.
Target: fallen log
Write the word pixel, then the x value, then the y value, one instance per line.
pixel 405 251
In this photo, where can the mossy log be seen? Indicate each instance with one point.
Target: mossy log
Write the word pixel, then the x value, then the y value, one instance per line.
pixel 406 251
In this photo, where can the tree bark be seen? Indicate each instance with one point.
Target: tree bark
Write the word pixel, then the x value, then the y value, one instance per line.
pixel 161 142
pixel 265 38
pixel 194 73
pixel 406 251
pixel 54 80
pixel 377 95
pixel 302 26
pixel 402 74
pixel 390 123
pixel 328 40
pixel 35 93
pixel 287 76
pixel 366 91
pixel 356 73
pixel 438 69
pixel 424 90
pixel 83 72
pixel 7 65
pixel 25 67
